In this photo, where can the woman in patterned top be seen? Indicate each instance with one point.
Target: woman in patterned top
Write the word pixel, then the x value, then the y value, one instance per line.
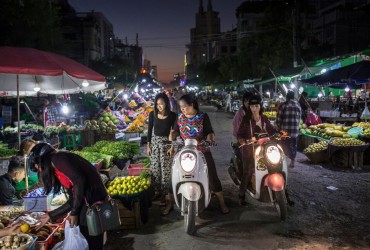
pixel 193 124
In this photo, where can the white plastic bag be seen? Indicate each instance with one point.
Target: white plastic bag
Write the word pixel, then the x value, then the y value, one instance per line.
pixel 73 239
pixel 365 114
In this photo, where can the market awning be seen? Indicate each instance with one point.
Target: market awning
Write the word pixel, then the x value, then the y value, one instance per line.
pixel 354 74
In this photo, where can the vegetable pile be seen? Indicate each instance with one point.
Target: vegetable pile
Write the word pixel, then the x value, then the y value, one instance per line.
pixel 95 157
pixel 118 149
pixel 5 151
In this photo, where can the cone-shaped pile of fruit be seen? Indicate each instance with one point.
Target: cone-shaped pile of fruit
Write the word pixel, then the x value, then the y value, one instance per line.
pixel 316 147
pixel 107 123
pixel 347 142
pixel 128 185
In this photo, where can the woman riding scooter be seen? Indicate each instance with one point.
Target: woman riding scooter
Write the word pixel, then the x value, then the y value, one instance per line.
pixel 254 122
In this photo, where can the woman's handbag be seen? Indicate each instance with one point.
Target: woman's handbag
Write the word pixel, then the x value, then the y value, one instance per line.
pixel 102 216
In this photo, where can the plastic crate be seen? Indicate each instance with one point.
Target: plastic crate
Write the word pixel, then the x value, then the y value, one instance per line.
pixel 98 164
pixel 137 169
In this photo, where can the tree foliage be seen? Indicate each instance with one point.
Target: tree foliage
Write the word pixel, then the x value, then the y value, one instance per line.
pixel 116 69
pixel 32 24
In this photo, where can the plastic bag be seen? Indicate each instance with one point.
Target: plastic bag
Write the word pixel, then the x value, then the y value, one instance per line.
pixel 365 114
pixel 313 119
pixel 73 239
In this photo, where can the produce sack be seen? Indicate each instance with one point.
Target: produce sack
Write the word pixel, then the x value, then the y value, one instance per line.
pixel 73 239
pixel 313 119
pixel 365 114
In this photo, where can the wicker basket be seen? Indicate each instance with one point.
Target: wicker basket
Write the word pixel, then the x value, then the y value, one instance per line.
pixel 318 157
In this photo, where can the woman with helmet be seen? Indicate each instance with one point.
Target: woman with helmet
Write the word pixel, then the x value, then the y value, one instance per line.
pixel 254 122
pixel 82 181
pixel 239 115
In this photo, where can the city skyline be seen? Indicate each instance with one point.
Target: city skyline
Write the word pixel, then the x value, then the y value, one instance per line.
pixel 163 28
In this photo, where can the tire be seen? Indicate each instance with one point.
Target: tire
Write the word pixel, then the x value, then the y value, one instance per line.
pixel 189 216
pixel 232 173
pixel 281 204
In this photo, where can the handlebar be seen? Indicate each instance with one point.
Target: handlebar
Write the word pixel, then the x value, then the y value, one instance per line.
pixel 174 143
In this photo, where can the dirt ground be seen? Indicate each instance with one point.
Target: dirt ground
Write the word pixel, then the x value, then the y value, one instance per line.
pixel 331 211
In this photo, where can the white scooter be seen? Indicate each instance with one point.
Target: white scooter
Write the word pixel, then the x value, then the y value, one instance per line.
pixel 190 183
pixel 268 183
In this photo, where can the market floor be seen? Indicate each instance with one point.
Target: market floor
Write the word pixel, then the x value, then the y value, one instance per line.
pixel 332 211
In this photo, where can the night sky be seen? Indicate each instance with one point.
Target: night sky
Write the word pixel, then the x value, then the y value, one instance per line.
pixel 163 26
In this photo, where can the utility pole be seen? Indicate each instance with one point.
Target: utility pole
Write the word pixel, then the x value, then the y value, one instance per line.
pixel 296 41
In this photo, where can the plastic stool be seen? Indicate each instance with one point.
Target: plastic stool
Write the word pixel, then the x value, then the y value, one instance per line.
pixel 69 141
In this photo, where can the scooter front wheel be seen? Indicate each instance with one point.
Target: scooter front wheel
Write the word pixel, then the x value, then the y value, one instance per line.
pixel 281 204
pixel 189 216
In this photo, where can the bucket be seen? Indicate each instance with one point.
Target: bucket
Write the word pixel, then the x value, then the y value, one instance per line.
pixel 354 132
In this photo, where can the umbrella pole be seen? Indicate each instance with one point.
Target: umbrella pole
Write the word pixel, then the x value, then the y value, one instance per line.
pixel 19 116
pixel 25 170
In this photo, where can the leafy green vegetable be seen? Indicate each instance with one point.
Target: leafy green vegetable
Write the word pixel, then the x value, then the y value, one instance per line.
pixel 5 151
pixel 118 149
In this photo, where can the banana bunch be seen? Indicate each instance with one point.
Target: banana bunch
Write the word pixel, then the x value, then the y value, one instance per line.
pixel 316 147
pixel 347 142
pixel 366 132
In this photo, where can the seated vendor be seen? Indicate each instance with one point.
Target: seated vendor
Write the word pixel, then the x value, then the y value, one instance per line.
pixel 16 173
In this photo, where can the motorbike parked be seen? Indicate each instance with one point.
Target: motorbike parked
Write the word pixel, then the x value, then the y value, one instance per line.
pixel 268 183
pixel 236 105
pixel 190 182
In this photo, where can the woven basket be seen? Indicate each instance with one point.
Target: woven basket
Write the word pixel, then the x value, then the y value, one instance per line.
pixel 318 157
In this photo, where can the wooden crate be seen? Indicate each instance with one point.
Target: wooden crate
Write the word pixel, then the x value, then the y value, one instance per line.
pixel 106 137
pixel 345 158
pixel 130 219
pixel 87 138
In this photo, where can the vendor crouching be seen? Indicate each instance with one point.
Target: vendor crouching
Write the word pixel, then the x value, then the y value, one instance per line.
pixel 15 174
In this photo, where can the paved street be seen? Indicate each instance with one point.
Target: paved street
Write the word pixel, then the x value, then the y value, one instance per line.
pixel 320 219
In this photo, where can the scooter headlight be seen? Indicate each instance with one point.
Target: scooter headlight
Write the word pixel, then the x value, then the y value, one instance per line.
pixel 273 155
pixel 188 161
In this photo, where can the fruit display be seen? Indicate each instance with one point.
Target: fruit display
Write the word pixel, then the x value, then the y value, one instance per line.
pixel 366 132
pixel 327 130
pixel 15 241
pixel 132 104
pixel 316 147
pixel 364 125
pixel 270 115
pixel 302 126
pixel 128 185
pixel 7 152
pixel 43 233
pixel 346 142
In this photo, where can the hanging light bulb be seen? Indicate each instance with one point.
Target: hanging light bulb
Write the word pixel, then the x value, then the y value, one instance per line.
pixel 319 95
pixel 125 96
pixel 85 83
pixel 65 108
pixel 292 86
pixel 37 87
pixel 347 89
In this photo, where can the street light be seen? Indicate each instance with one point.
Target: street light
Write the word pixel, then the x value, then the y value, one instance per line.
pixel 347 89
pixel 37 87
pixel 85 83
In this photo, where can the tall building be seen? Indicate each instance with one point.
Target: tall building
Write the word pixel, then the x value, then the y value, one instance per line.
pixel 207 30
pixel 87 35
pixel 342 26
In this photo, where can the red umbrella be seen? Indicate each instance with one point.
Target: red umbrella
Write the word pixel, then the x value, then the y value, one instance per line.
pixel 52 73
pixel 24 71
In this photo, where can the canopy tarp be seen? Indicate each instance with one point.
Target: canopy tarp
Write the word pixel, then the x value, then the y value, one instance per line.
pixel 357 73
